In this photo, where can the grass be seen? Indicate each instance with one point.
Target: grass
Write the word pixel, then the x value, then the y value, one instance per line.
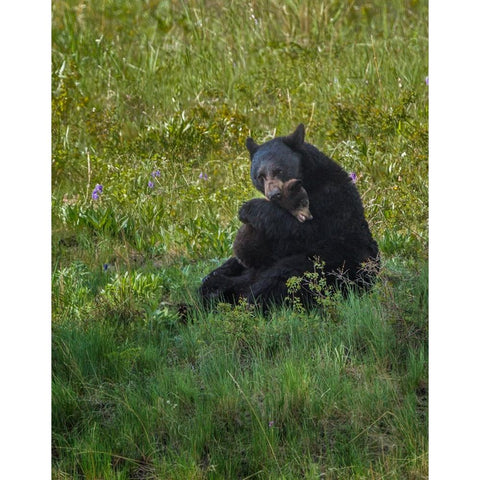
pixel 153 100
pixel 234 393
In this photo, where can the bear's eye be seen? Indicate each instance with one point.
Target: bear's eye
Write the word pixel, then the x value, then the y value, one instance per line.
pixel 277 172
pixel 261 177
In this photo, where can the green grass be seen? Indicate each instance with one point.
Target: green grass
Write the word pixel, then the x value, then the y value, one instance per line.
pixel 231 394
pixel 176 87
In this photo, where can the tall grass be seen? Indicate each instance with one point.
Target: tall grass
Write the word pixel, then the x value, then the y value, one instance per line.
pixel 153 100
pixel 235 394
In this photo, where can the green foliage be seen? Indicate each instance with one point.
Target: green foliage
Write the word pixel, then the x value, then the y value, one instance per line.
pixel 153 100
pixel 314 286
pixel 232 393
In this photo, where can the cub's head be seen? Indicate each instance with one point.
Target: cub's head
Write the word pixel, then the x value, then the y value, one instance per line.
pixel 294 199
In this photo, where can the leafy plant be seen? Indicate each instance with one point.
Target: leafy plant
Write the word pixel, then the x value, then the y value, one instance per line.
pixel 313 287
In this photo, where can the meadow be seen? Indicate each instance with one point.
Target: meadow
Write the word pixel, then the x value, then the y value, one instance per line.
pixel 151 104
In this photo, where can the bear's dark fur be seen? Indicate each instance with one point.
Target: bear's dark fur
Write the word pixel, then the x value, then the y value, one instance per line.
pixel 251 246
pixel 338 234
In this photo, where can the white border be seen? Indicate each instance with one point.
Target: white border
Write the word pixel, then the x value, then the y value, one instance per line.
pixel 454 240
pixel 25 239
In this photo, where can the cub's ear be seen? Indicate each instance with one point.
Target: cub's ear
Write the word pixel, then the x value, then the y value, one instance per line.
pixel 294 185
pixel 251 145
pixel 296 138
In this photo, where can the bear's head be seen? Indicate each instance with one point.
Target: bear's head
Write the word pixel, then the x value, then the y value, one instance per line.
pixel 275 162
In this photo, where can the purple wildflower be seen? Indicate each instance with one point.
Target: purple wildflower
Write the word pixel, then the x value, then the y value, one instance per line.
pixel 203 176
pixel 156 173
pixel 105 267
pixel 426 81
pixel 150 184
pixel 271 423
pixel 353 177
pixel 97 191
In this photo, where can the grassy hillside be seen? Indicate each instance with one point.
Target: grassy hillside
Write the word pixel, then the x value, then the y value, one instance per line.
pixel 153 101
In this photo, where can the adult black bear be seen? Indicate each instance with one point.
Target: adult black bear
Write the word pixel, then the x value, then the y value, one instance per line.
pixel 338 235
pixel 252 247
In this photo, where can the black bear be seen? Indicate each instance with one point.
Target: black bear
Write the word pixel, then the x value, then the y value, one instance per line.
pixel 338 235
pixel 251 246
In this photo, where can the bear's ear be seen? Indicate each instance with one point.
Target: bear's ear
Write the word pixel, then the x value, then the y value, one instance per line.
pixel 296 138
pixel 294 185
pixel 251 145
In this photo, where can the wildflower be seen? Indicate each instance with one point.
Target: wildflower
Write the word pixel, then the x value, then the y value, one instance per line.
pixel 156 173
pixel 426 81
pixel 271 423
pixel 353 177
pixel 97 191
pixel 150 184
pixel 203 176
pixel 105 267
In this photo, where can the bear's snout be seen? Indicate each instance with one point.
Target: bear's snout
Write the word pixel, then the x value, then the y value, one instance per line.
pixel 274 194
pixel 273 189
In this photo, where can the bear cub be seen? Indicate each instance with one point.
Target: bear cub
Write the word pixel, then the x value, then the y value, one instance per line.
pixel 251 247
